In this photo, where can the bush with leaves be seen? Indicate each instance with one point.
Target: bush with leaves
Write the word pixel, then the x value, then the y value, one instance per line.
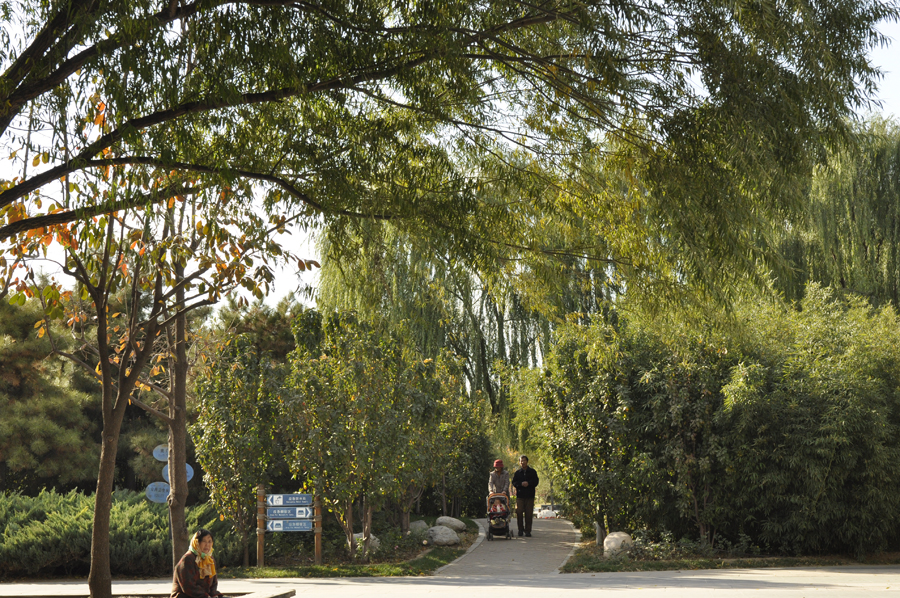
pixel 235 431
pixel 50 534
pixel 780 424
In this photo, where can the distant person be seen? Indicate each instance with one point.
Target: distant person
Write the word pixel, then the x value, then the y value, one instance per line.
pixel 525 481
pixel 498 481
pixel 195 573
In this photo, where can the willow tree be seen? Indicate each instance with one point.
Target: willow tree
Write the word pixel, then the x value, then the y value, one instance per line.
pixel 849 239
pixel 336 112
pixel 341 112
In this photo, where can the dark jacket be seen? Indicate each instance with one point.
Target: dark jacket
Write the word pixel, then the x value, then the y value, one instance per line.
pixel 187 583
pixel 525 475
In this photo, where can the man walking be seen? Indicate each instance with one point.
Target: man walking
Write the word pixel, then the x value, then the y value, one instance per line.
pixel 525 481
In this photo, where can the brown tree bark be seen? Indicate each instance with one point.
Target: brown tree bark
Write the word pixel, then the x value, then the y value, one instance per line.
pixel 100 576
pixel 178 429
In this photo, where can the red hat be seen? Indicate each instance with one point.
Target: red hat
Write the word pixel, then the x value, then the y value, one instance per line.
pixel 498 463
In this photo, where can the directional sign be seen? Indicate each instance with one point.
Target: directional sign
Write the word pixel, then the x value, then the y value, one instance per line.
pixel 158 492
pixel 190 472
pixel 289 512
pixel 289 525
pixel 161 453
pixel 289 500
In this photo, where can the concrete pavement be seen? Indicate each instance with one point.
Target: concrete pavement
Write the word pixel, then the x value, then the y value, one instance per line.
pixel 528 568
pixel 832 582
pixel 552 541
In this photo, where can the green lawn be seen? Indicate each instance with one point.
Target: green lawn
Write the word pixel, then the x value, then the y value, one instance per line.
pixel 421 565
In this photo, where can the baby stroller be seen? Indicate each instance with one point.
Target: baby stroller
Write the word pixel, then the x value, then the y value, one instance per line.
pixel 498 516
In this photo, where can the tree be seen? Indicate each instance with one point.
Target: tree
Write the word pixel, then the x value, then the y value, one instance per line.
pixel 341 112
pixel 357 407
pixel 148 255
pixel 848 237
pixel 46 432
pixel 235 431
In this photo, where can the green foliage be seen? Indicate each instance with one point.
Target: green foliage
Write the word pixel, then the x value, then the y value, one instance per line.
pixel 235 431
pixel 848 238
pixel 45 420
pixel 361 415
pixel 50 534
pixel 779 424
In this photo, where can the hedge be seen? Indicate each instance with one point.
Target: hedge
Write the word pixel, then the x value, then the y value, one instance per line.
pixel 50 534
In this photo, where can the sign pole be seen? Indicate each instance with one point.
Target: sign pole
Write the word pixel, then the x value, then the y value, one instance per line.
pixel 260 525
pixel 317 522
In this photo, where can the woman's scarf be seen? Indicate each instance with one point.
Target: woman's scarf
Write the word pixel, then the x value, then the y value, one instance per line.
pixel 204 559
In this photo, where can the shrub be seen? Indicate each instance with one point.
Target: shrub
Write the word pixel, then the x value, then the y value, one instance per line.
pixel 50 534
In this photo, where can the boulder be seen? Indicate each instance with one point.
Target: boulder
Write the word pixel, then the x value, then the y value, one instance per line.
pixel 615 543
pixel 441 535
pixel 418 527
pixel 374 543
pixel 454 524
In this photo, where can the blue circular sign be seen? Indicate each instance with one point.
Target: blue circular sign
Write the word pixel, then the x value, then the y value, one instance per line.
pixel 190 472
pixel 161 453
pixel 158 492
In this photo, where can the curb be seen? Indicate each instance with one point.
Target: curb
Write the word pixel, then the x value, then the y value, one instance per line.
pixel 574 548
pixel 260 594
pixel 271 594
pixel 475 544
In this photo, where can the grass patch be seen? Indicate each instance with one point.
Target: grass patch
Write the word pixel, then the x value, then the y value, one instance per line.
pixel 424 564
pixel 589 559
pixel 408 558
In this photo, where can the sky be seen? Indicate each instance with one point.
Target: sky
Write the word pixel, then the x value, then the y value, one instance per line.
pixel 888 59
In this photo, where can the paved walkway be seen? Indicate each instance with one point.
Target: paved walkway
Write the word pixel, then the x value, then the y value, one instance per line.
pixel 527 567
pixel 552 541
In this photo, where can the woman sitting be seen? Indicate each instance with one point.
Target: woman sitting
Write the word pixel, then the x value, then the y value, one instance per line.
pixel 195 573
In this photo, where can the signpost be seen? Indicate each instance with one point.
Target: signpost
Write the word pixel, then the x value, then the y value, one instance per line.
pixel 290 525
pixel 289 500
pixel 161 453
pixel 287 513
pixel 190 472
pixel 158 492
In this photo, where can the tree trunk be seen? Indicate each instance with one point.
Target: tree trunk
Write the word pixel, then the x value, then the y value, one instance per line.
pixel 367 530
pixel 178 434
pixel 404 522
pixel 100 576
pixel 443 495
pixel 246 546
pixel 346 523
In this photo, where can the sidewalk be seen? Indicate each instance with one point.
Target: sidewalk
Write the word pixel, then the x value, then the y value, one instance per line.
pixel 832 582
pixel 528 567
pixel 552 541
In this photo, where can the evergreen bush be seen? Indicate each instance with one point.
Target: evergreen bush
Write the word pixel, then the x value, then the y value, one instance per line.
pixel 50 534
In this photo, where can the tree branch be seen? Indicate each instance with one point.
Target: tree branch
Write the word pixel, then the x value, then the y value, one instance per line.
pixel 168 420
pixel 86 212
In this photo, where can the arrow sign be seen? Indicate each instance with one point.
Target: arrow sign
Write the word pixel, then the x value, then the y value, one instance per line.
pixel 289 500
pixel 289 512
pixel 289 525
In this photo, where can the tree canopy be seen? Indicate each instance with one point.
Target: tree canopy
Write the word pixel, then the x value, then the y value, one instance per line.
pixel 335 112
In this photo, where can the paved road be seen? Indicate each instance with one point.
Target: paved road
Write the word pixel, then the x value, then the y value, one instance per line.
pixel 527 569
